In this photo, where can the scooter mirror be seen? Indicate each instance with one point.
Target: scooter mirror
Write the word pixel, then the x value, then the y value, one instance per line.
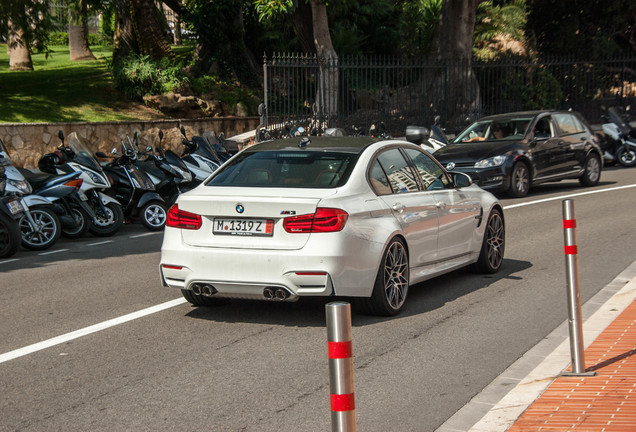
pixel 60 135
pixel 183 132
pixel 148 149
pixel 101 154
pixel 160 135
pixel 113 151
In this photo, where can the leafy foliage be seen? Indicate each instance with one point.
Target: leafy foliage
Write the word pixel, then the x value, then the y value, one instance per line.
pixel 139 75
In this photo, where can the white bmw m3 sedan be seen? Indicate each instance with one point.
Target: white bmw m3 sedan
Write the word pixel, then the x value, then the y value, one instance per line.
pixel 357 217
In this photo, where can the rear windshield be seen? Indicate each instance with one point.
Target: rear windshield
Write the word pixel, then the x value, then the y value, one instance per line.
pixel 284 168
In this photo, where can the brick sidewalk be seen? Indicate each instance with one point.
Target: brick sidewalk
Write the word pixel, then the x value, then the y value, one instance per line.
pixel 605 402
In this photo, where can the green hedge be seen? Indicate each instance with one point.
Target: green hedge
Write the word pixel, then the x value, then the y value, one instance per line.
pixel 94 39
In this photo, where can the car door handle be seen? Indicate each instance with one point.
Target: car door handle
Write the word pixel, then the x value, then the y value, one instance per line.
pixel 440 205
pixel 398 207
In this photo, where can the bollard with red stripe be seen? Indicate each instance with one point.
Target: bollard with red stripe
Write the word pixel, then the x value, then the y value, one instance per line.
pixel 575 323
pixel 343 407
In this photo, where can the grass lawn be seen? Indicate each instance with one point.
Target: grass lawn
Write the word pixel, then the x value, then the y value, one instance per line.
pixel 58 90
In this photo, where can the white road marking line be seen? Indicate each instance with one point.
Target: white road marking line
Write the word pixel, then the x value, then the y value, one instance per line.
pixel 9 260
pixel 568 196
pixel 101 243
pixel 53 252
pixel 144 235
pixel 88 330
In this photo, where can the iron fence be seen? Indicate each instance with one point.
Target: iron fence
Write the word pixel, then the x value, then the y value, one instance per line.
pixel 353 92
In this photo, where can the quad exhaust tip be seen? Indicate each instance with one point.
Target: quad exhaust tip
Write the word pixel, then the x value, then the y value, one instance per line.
pixel 276 293
pixel 206 290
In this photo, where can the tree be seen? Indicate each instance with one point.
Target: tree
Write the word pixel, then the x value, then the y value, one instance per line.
pixel 138 30
pixel 27 23
pixel 78 32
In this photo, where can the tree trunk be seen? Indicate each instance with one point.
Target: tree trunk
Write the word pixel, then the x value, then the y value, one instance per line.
pixel 20 59
pixel 302 25
pixel 327 98
pixel 138 30
pixel 457 25
pixel 78 34
pixel 177 39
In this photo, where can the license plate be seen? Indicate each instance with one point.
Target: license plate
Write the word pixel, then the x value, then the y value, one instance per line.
pixel 15 207
pixel 245 227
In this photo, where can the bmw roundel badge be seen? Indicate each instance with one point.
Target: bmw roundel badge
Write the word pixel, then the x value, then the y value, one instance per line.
pixel 450 166
pixel 240 208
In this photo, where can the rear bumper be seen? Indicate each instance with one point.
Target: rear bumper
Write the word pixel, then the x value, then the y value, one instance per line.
pixel 326 266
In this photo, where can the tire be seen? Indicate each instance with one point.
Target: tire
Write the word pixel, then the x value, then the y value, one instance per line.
pixel 106 226
pixel 199 300
pixel 493 246
pixel 84 223
pixel 391 283
pixel 626 156
pixel 9 236
pixel 592 173
pixel 154 215
pixel 47 232
pixel 519 180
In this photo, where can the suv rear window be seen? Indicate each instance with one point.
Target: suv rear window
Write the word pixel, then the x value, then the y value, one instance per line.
pixel 288 169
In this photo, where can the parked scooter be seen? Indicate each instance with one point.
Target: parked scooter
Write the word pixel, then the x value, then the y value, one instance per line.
pixel 168 172
pixel 40 228
pixel 431 139
pixel 620 144
pixel 63 193
pixel 199 156
pixel 10 212
pixel 74 156
pixel 132 187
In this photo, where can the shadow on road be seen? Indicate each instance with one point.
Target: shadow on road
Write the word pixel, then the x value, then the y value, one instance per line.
pixel 310 312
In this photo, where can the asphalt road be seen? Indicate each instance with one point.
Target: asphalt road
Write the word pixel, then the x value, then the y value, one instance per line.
pixel 259 366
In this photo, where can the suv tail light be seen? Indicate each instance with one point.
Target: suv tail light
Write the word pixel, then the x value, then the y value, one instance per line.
pixel 324 220
pixel 182 219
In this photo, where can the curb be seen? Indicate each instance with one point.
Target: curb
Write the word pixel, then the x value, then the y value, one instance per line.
pixel 497 407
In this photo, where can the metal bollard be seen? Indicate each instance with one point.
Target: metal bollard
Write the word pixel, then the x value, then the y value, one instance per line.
pixel 343 407
pixel 575 322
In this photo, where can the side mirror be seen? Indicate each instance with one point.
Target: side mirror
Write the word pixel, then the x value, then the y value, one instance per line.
pixel 60 135
pixel 462 180
pixel 101 154
pixel 113 151
pixel 148 149
pixel 183 132
pixel 417 134
pixel 160 135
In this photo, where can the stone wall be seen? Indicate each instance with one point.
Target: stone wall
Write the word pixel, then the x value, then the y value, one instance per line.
pixel 27 142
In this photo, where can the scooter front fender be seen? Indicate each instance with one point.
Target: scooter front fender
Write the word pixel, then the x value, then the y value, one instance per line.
pixel 33 200
pixel 107 199
pixel 147 197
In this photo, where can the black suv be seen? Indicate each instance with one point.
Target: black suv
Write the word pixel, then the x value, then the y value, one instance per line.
pixel 511 152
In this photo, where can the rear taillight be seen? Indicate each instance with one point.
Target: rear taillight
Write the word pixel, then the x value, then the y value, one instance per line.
pixel 324 220
pixel 76 183
pixel 182 219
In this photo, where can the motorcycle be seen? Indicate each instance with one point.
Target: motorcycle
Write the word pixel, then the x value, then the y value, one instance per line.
pixel 168 172
pixel 198 156
pixel 74 156
pixel 10 212
pixel 40 228
pixel 431 139
pixel 132 187
pixel 63 193
pixel 620 144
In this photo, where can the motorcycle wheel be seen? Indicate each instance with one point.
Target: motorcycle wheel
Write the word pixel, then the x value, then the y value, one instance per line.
pixel 83 224
pixel 9 236
pixel 107 225
pixel 153 216
pixel 626 156
pixel 46 232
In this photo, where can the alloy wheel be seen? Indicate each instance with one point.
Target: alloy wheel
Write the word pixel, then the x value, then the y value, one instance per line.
pixel 495 240
pixel 396 279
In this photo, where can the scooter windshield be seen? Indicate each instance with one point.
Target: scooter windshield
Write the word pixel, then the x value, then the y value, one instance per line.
pixel 5 159
pixel 83 156
pixel 204 148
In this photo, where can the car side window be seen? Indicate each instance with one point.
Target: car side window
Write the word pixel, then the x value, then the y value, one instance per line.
pixel 543 129
pixel 432 175
pixel 399 173
pixel 379 181
pixel 568 124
